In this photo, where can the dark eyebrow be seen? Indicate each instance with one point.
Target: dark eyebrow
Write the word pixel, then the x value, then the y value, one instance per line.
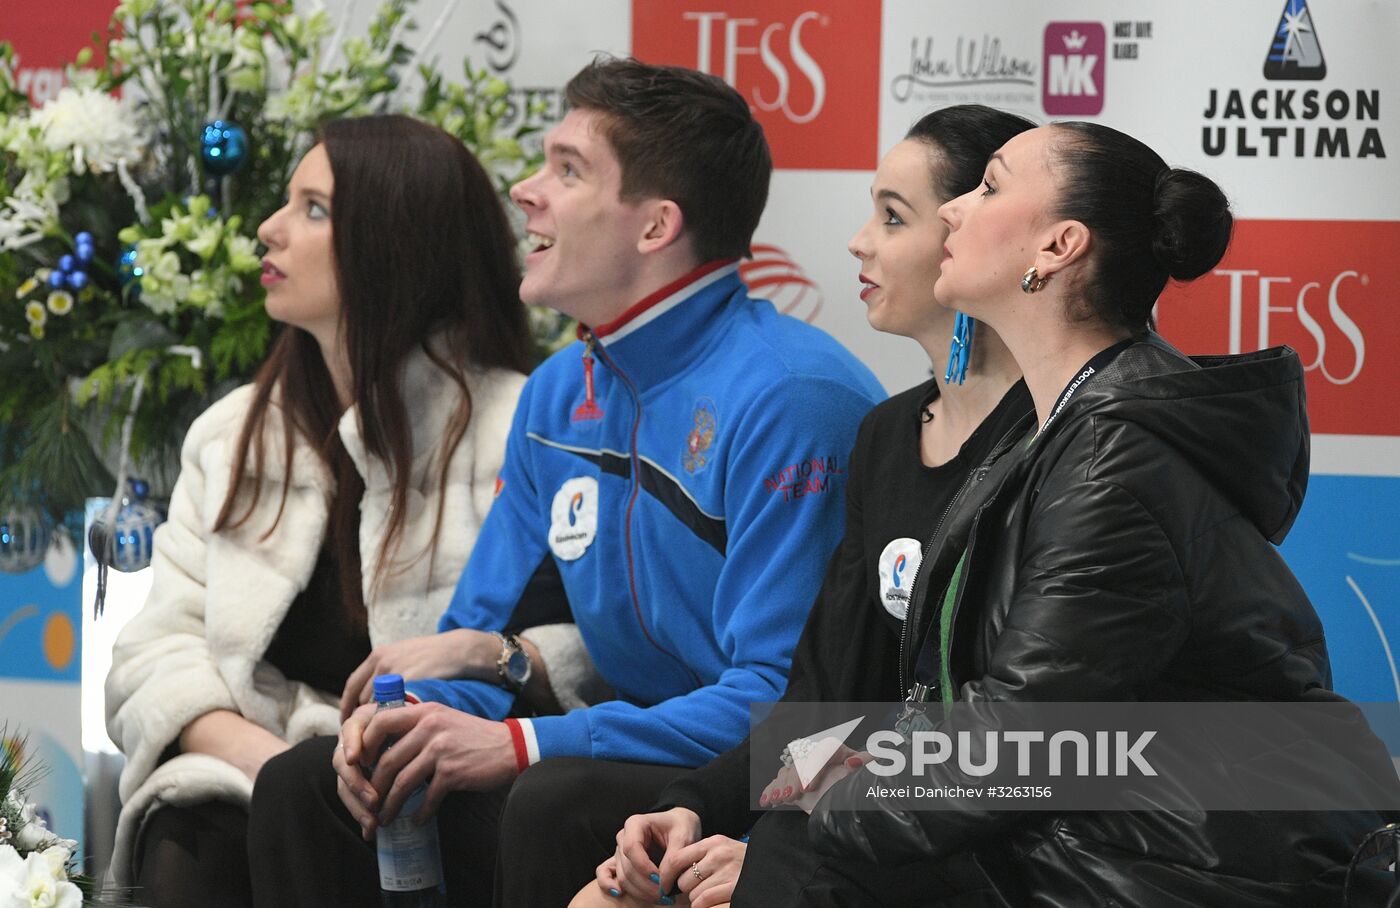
pixel 562 150
pixel 316 193
pixel 885 194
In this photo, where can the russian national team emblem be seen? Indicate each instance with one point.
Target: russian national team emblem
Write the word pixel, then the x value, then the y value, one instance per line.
pixel 899 562
pixel 1294 52
pixel 701 437
pixel 573 518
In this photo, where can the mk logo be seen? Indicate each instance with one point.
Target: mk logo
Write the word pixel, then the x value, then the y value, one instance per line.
pixel 1074 68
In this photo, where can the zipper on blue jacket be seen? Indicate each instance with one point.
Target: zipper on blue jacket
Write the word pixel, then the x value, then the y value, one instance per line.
pixel 636 487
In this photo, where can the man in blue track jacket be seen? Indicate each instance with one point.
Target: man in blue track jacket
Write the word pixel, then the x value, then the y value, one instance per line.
pixel 683 468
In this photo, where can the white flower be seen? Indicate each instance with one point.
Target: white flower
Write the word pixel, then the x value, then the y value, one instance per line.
pixel 60 302
pixel 11 870
pixel 38 881
pixel 24 220
pixel 98 129
pixel 33 831
pixel 243 254
pixel 35 314
pixel 205 240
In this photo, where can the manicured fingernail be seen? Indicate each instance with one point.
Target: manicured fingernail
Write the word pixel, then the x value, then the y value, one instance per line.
pixel 665 900
pixel 787 791
pixel 855 762
pixel 614 893
pixel 763 799
pixel 656 878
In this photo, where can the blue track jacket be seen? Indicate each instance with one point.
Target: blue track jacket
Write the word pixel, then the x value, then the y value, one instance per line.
pixel 691 507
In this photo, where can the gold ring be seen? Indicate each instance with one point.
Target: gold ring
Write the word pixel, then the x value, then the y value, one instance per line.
pixel 695 869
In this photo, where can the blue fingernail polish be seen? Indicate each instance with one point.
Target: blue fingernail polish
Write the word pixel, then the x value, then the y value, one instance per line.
pixel 614 893
pixel 656 878
pixel 666 900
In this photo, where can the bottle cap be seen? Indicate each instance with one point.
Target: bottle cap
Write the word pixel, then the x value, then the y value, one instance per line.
pixel 387 688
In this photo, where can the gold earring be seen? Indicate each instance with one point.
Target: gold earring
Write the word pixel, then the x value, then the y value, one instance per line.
pixel 1031 282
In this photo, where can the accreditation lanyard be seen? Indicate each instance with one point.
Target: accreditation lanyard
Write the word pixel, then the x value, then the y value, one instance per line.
pixel 933 677
pixel 1096 364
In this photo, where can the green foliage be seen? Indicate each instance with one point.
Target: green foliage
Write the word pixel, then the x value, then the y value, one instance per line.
pixel 129 172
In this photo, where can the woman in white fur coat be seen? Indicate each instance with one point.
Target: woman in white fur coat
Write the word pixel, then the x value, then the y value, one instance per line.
pixel 330 506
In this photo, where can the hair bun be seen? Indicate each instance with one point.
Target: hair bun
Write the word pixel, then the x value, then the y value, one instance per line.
pixel 1193 223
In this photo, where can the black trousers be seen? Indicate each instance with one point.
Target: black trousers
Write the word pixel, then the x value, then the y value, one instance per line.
pixel 561 822
pixel 305 849
pixel 782 869
pixel 194 857
pixel 533 844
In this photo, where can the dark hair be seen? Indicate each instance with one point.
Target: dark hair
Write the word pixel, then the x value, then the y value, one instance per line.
pixel 1149 221
pixel 422 250
pixel 965 135
pixel 685 136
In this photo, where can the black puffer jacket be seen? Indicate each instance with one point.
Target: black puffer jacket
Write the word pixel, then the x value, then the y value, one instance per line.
pixel 1126 555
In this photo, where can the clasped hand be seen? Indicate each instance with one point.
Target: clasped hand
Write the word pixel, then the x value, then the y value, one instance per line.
pixel 432 744
pixel 458 653
pixel 675 835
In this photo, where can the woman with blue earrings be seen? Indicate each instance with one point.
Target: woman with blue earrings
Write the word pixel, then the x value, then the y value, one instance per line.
pixel 912 456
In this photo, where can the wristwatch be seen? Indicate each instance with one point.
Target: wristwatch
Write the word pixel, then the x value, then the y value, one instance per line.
pixel 513 665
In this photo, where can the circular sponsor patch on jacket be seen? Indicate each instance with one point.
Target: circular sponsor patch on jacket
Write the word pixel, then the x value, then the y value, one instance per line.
pixel 573 517
pixel 899 562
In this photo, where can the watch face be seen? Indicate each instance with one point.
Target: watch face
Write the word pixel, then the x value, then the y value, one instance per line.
pixel 518 666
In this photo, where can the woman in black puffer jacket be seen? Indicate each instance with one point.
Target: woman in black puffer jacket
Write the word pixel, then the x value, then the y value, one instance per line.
pixel 1121 546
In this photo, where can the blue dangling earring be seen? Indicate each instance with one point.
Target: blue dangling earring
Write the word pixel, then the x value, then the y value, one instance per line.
pixel 960 350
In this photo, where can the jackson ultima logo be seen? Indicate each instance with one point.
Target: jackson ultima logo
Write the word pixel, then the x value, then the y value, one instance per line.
pixel 1295 53
pixel 1324 288
pixel 1294 122
pixel 802 67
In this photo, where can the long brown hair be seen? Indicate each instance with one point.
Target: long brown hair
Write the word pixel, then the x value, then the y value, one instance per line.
pixel 423 249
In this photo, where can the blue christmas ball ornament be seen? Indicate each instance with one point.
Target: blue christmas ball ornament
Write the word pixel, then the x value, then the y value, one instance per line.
pixel 24 539
pixel 77 280
pixel 128 272
pixel 223 147
pixel 133 535
pixel 57 279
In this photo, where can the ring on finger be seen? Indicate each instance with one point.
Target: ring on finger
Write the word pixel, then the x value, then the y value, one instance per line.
pixel 695 869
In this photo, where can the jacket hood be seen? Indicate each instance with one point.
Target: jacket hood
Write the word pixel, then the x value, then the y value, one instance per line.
pixel 1240 420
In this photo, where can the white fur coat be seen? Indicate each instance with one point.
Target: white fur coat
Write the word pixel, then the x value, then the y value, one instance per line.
pixel 217 599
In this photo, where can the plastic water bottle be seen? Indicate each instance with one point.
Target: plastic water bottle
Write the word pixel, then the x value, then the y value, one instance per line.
pixel 410 863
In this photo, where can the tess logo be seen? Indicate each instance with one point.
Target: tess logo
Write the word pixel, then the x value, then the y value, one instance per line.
pixel 803 68
pixel 1074 68
pixel 1324 288
pixel 46 36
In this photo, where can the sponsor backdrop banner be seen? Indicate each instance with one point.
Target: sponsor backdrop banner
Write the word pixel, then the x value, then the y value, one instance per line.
pixel 40 626
pixel 1288 104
